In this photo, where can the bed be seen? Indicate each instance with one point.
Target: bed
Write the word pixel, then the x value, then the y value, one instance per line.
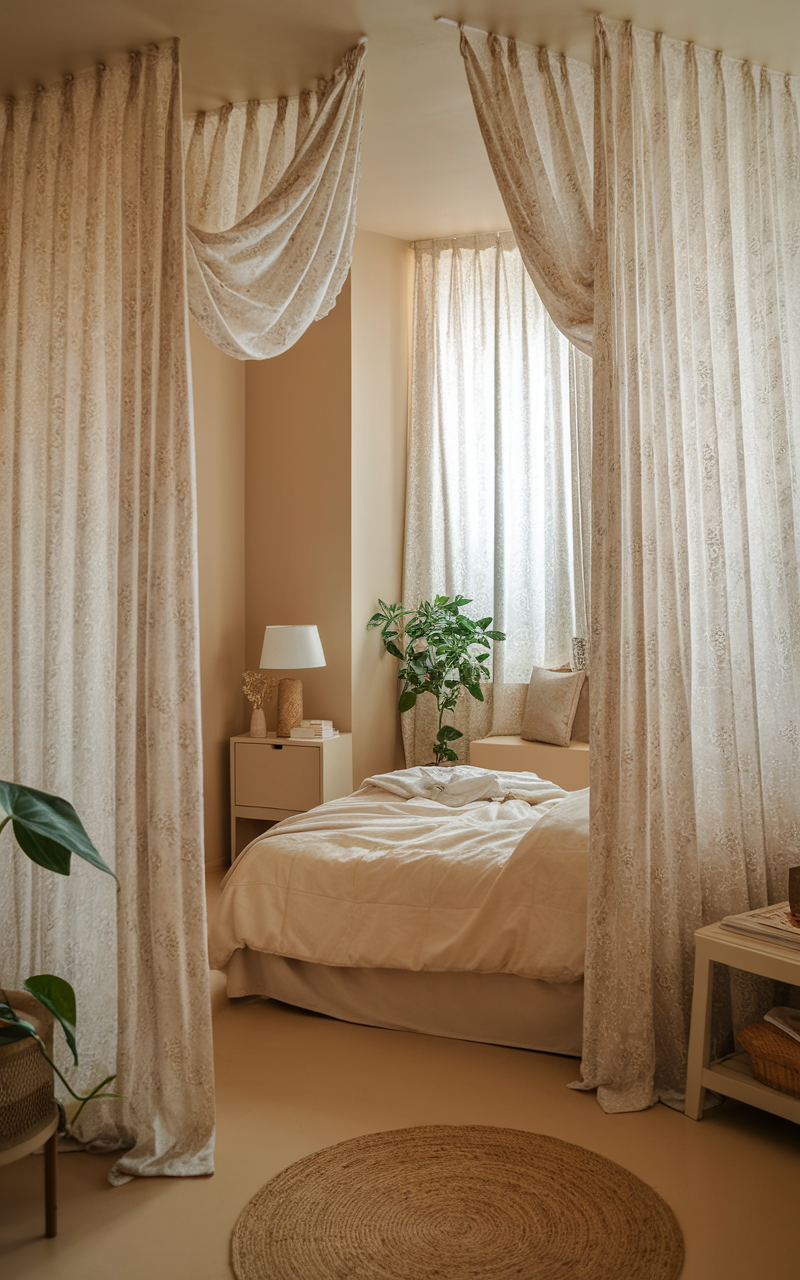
pixel 446 901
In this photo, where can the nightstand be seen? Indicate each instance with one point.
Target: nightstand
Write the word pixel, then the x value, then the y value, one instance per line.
pixel 732 1076
pixel 274 778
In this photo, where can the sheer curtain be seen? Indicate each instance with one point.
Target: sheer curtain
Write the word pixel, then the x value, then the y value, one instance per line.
pixel 99 667
pixel 535 113
pixel 499 456
pixel 696 519
pixel 695 680
pixel 271 192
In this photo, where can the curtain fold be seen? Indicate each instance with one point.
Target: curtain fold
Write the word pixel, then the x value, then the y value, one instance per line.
pixel 696 519
pixel 499 456
pixel 535 110
pixel 271 192
pixel 99 678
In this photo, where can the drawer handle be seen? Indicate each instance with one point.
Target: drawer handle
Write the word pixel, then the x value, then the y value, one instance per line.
pixel 276 746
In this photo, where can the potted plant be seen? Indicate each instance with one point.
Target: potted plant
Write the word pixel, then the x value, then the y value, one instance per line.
pixel 441 652
pixel 48 830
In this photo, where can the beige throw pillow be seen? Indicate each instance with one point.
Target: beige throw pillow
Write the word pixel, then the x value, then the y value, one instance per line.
pixel 580 725
pixel 551 705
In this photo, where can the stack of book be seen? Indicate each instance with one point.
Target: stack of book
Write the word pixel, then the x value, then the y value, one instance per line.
pixel 772 924
pixel 315 729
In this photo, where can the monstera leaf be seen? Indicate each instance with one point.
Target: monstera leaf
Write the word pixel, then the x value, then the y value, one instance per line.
pixel 47 828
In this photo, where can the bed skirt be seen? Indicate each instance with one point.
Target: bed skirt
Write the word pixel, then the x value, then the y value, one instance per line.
pixel 492 1008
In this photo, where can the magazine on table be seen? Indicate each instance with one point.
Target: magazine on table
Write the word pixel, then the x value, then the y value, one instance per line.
pixel 771 924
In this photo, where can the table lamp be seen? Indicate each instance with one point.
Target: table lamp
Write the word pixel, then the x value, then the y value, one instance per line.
pixel 290 649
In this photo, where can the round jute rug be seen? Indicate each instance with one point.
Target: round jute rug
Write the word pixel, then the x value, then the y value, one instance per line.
pixel 456 1202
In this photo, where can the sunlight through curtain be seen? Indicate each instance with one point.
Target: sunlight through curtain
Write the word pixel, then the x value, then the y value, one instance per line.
pixel 499 467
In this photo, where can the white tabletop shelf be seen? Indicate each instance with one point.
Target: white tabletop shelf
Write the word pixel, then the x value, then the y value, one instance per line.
pixel 732 1076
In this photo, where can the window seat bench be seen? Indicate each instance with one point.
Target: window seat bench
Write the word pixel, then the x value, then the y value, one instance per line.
pixel 568 766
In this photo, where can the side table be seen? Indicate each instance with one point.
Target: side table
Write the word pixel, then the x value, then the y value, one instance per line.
pixel 274 778
pixel 732 1075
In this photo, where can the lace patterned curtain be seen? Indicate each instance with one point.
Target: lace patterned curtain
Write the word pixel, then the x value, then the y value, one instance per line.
pixel 99 665
pixel 535 114
pixel 271 190
pixel 499 466
pixel 696 533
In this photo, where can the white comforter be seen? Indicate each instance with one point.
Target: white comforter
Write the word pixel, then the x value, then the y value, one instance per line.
pixel 376 881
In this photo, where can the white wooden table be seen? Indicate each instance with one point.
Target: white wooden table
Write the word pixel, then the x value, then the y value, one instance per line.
pixel 732 1075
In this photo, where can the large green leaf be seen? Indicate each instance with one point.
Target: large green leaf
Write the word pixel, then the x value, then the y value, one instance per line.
pixel 407 699
pixel 41 850
pixel 48 829
pixel 448 733
pixel 11 1032
pixel 56 995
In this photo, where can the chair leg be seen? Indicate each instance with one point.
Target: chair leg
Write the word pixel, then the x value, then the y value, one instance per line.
pixel 51 1185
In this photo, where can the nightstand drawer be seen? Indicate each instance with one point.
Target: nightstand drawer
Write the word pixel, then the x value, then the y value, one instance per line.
pixel 276 776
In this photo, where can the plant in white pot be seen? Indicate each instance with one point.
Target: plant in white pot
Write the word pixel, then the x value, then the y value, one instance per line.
pixel 441 652
pixel 48 830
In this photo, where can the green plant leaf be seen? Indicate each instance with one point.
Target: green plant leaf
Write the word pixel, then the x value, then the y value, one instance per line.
pixel 56 995
pixel 392 648
pixel 12 1032
pixel 476 691
pixel 47 853
pixel 407 699
pixel 48 829
pixel 448 733
pixel 496 635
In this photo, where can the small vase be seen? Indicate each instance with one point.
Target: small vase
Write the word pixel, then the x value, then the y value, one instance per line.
pixel 258 723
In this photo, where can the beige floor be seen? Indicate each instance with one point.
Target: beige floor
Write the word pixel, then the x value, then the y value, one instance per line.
pixel 289 1083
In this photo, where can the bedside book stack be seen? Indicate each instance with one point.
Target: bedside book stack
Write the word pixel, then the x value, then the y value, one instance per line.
pixel 315 729
pixel 772 924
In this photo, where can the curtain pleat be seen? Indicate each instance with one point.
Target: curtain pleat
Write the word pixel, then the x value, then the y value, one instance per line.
pixel 499 454
pixel 99 683
pixel 535 114
pixel 271 192
pixel 695 579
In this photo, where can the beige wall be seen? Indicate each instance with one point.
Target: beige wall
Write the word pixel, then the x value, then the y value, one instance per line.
pixel 381 279
pixel 301 483
pixel 297 503
pixel 219 415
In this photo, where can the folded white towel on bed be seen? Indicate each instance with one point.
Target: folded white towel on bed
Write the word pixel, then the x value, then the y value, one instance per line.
pixel 462 784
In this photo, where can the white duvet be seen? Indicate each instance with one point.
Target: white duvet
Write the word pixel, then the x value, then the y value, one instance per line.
pixel 377 881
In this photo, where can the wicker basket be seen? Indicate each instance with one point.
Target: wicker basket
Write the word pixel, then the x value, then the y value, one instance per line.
pixel 774 1057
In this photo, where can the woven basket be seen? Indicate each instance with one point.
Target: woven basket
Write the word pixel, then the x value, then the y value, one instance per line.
pixel 26 1078
pixel 774 1057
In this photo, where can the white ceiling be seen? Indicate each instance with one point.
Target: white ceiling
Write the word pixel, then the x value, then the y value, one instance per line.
pixel 424 170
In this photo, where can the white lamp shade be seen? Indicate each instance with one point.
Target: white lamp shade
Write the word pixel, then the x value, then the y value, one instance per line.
pixel 291 648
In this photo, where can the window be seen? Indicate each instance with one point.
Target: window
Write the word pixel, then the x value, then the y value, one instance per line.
pixel 497 504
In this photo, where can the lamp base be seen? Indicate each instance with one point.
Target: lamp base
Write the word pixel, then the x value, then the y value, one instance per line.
pixel 290 706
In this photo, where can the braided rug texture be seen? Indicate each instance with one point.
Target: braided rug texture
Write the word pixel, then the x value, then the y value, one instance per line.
pixel 456 1202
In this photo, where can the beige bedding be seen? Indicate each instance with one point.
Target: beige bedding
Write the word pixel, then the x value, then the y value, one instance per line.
pixel 375 881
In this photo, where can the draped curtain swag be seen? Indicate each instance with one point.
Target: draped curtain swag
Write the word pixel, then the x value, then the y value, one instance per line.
pixel 695 584
pixel 535 113
pixel 271 191
pixel 99 664
pixel 499 461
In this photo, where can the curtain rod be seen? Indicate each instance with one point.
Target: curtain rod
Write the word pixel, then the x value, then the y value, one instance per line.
pixel 462 26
